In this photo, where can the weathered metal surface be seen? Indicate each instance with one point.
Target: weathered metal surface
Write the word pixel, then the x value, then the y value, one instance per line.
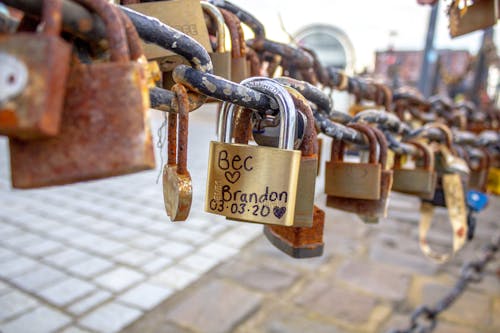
pixel 245 17
pixel 35 111
pixel 296 57
pixel 299 242
pixel 104 126
pixel 310 92
pixel 221 89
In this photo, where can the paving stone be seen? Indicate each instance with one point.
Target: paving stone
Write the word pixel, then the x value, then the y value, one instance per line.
pixel 109 318
pixel 6 254
pixel 289 321
pixel 219 317
pixel 264 277
pixel 74 330
pixel 156 265
pixel 14 303
pixel 470 308
pixel 42 248
pixel 389 254
pixel 324 299
pixel 91 267
pixel 173 249
pixel 119 279
pixel 65 233
pixel 191 236
pixel 380 280
pixel 147 242
pixel 123 233
pixel 38 278
pixel 133 257
pixel 16 266
pixel 496 312
pixel 145 326
pixel 145 296
pixel 67 257
pixel 217 251
pixel 198 264
pixel 66 291
pixel 40 320
pixel 174 277
pixel 4 288
pixel 89 302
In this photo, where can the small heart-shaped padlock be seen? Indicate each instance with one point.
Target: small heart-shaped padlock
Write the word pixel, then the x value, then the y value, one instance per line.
pixel 177 189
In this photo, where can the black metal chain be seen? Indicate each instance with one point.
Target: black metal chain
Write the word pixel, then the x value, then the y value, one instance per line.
pixel 424 318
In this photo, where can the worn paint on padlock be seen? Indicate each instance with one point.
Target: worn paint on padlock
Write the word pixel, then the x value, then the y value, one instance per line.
pixel 299 242
pixel 35 112
pixel 242 185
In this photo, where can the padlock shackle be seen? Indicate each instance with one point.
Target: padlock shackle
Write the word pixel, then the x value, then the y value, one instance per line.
pixel 233 23
pixel 52 17
pixel 288 114
pixel 181 130
pixel 215 14
pixel 372 140
pixel 115 32
pixel 382 144
pixel 448 135
pixel 308 147
pixel 133 39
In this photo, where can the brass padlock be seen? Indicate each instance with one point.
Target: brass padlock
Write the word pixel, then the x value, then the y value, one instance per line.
pixel 255 183
pixel 104 128
pixel 421 180
pixel 34 69
pixel 308 164
pixel 299 242
pixel 221 58
pixel 369 209
pixel 353 180
pixel 177 189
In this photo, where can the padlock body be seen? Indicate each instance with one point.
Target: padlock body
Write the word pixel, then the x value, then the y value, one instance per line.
pixel 252 183
pixel 36 112
pixel 104 130
pixel 373 208
pixel 305 192
pixel 177 193
pixel 299 242
pixel 353 180
pixel 413 181
pixel 239 69
pixel 493 180
pixel 478 180
pixel 222 64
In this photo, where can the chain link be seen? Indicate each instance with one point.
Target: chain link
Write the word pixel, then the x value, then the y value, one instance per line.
pixel 424 318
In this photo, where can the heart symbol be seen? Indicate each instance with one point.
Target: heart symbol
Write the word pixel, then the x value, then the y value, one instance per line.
pixel 232 177
pixel 279 211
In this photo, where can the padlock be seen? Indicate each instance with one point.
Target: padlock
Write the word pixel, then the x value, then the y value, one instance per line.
pixel 479 171
pixel 370 210
pixel 353 180
pixel 419 181
pixel 446 162
pixel 239 63
pixel 177 189
pixel 34 69
pixel 255 183
pixel 308 164
pixel 470 16
pixel 104 128
pixel 299 242
pixel 493 185
pixel 221 58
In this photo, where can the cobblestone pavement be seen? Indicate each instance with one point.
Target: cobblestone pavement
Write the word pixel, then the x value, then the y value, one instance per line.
pixel 96 256
pixel 102 257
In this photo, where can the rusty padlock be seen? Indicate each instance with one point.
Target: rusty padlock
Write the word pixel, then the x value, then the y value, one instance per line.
pixel 105 127
pixel 419 181
pixel 369 209
pixel 34 69
pixel 177 189
pixel 299 242
pixel 353 180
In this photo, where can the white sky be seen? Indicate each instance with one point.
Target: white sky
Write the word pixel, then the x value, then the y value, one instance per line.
pixel 366 22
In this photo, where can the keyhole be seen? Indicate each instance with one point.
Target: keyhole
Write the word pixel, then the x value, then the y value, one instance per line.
pixel 11 79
